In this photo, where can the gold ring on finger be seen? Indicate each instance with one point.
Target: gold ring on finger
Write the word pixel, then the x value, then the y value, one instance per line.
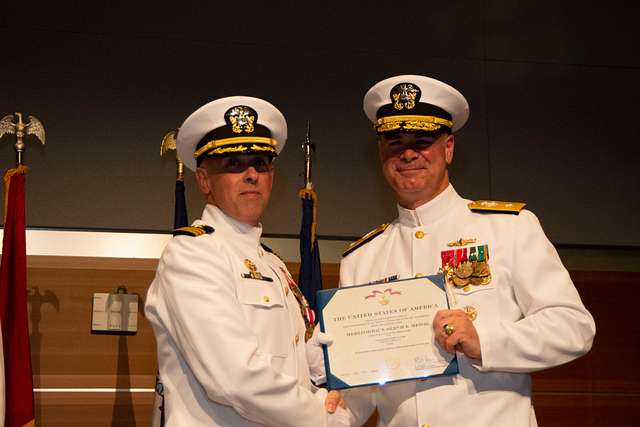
pixel 448 329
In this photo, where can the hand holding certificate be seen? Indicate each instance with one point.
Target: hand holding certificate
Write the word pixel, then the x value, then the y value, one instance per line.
pixel 383 332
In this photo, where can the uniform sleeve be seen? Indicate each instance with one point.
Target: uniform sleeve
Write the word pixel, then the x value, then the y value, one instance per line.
pixel 347 271
pixel 315 358
pixel 361 402
pixel 556 327
pixel 221 349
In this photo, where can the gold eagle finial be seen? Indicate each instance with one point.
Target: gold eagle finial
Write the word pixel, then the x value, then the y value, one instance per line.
pixel 20 129
pixel 168 144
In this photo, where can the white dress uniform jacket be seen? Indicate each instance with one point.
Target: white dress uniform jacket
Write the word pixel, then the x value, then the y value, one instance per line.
pixel 529 317
pixel 231 348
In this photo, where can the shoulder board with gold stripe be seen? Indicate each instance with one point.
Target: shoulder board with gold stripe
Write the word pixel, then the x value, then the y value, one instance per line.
pixel 494 206
pixel 193 230
pixel 365 239
pixel 271 251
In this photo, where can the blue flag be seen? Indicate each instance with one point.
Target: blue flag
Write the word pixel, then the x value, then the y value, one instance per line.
pixel 310 277
pixel 180 218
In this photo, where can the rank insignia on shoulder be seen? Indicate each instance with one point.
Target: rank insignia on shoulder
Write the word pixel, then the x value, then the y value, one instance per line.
pixel 193 230
pixel 365 239
pixel 494 206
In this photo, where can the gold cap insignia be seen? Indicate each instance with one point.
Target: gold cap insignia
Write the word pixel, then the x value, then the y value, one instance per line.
pixel 241 118
pixel 405 96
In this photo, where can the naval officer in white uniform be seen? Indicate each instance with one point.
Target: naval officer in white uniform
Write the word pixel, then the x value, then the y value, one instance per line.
pixel 229 328
pixel 514 308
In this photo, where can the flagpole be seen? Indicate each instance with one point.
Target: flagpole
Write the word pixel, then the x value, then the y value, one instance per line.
pixel 18 405
pixel 180 219
pixel 308 148
pixel 310 276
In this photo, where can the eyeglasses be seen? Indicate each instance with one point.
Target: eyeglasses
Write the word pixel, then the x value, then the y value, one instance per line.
pixel 239 164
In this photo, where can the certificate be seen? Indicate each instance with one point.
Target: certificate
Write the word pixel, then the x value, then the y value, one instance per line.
pixel 383 332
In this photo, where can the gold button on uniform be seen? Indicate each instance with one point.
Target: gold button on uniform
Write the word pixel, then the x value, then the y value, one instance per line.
pixel 419 234
pixel 297 338
pixel 265 298
pixel 419 275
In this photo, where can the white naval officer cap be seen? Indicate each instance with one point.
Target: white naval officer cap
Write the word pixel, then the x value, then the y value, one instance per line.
pixel 413 103
pixel 231 125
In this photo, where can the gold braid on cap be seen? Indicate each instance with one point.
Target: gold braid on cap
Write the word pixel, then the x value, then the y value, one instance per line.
pixel 425 123
pixel 216 144
pixel 242 149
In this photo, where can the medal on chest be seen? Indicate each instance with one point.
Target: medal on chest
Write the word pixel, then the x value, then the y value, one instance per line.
pixel 308 314
pixel 466 266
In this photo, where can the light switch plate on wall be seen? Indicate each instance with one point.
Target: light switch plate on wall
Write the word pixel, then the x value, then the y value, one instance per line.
pixel 114 313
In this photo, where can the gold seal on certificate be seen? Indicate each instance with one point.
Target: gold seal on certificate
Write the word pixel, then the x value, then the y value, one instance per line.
pixel 383 332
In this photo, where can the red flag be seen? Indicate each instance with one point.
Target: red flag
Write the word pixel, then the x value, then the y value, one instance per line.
pixel 19 406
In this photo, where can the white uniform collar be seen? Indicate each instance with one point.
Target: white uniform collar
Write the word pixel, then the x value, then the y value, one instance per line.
pixel 429 212
pixel 223 223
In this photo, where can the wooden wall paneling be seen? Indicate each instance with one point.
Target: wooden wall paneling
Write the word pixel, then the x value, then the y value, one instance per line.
pixel 593 390
pixel 64 351
pixel 94 409
pixel 586 409
pixel 612 364
pixel 66 355
pixel 603 387
pixel 330 273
